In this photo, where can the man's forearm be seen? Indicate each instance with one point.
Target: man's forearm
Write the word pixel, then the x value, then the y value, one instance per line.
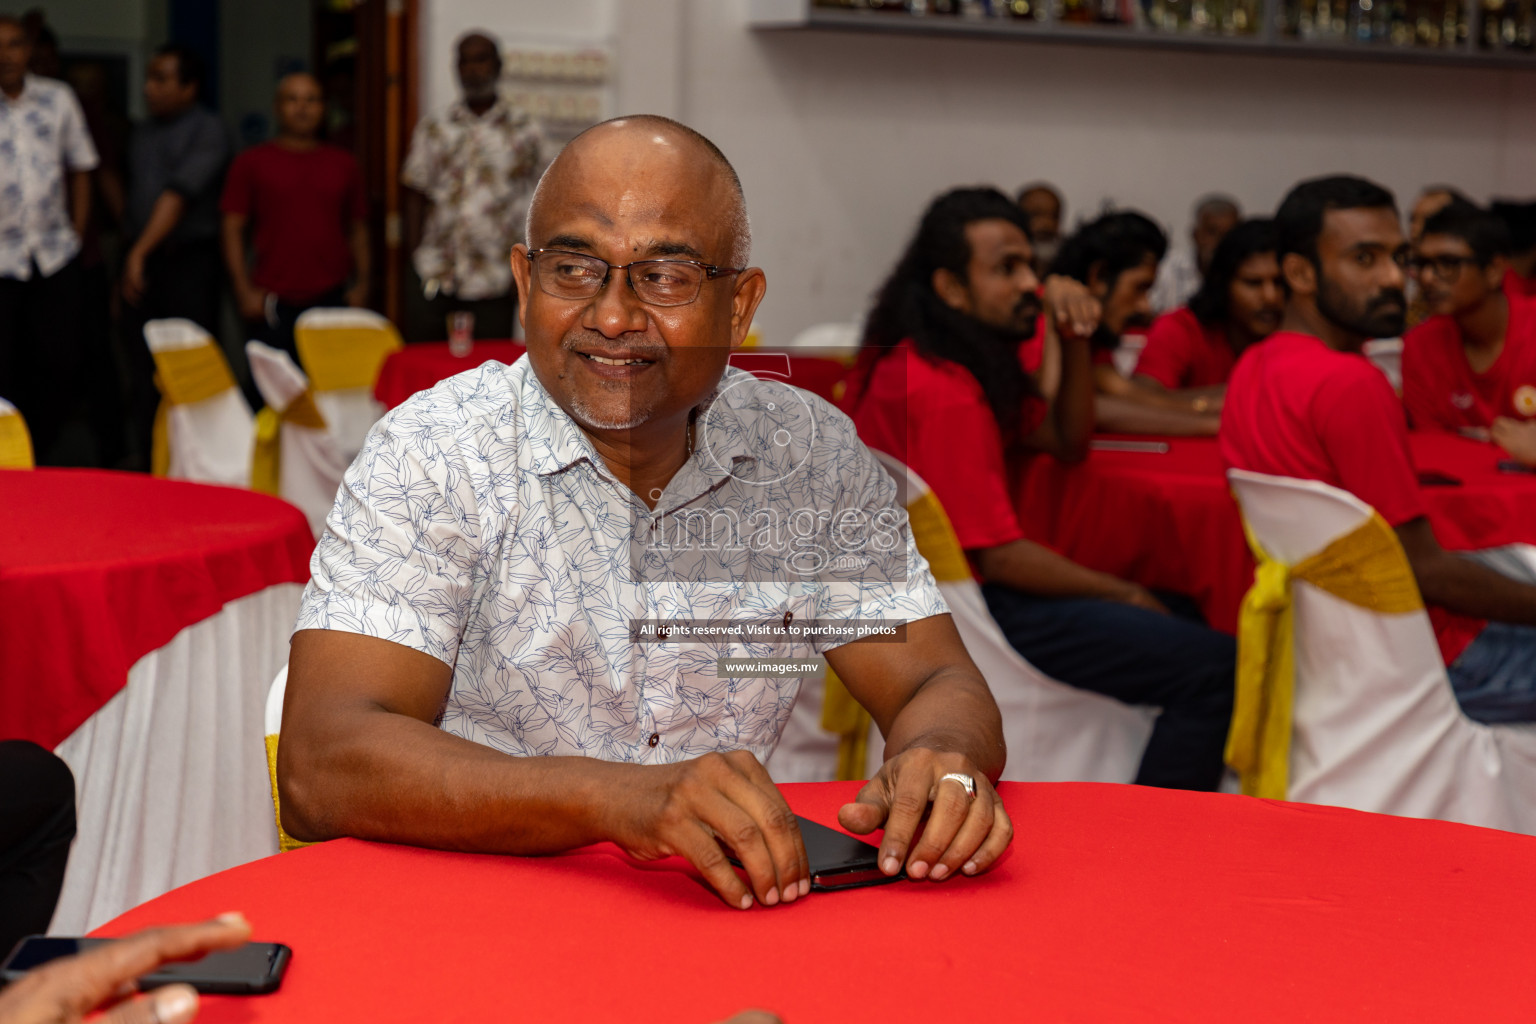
pixel 360 252
pixel 1120 415
pixel 1073 409
pixel 1469 588
pixel 952 711
pixel 377 775
pixel 1036 569
pixel 80 201
pixel 163 218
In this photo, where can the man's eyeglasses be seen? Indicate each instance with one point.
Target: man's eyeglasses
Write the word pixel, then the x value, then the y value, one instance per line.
pixel 1446 268
pixel 574 275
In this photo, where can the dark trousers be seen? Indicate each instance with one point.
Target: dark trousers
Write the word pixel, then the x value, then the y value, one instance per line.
pixel 40 326
pixel 182 279
pixel 1137 657
pixel 427 319
pixel 277 328
pixel 37 824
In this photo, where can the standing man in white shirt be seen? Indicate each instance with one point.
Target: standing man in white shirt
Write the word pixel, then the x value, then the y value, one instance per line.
pixel 469 175
pixel 45 154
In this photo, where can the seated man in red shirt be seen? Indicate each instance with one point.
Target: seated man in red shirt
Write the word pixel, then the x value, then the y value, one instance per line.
pixel 945 392
pixel 1191 350
pixel 303 202
pixel 1116 257
pixel 1520 218
pixel 1307 404
pixel 1471 367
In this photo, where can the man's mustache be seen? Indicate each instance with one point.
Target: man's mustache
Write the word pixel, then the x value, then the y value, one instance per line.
pixel 1390 297
pixel 1029 305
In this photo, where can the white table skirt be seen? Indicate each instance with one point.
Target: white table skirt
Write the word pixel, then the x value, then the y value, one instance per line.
pixel 171 774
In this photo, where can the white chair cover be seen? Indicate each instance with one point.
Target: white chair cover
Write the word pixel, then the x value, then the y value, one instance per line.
pixel 1054 732
pixel 312 463
pixel 1376 726
pixel 349 412
pixel 210 441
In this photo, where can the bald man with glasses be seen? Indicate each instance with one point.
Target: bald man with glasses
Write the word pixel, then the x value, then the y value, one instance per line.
pixel 516 634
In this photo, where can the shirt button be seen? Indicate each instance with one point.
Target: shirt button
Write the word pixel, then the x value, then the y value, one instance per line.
pixel 655 739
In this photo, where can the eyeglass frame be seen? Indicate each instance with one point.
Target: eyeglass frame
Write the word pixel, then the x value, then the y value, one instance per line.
pixel 1416 265
pixel 711 272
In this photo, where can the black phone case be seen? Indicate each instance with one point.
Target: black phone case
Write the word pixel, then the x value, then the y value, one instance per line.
pixel 208 984
pixel 838 860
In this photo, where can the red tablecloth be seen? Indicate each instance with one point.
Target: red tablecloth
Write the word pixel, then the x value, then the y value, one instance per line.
pixel 1169 521
pixel 1117 903
pixel 98 568
pixel 418 367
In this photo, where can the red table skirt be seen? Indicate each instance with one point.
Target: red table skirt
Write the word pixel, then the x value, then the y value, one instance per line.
pixel 97 569
pixel 1169 521
pixel 1116 903
pixel 418 367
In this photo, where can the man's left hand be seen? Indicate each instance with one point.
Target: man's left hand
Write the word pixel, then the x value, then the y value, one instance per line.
pixel 1518 437
pixel 963 833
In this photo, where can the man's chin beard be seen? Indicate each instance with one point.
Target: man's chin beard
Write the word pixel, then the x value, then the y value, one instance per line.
pixel 588 416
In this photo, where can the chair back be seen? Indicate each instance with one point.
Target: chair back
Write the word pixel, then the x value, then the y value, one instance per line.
pixel 342 351
pixel 1375 725
pixel 15 441
pixel 274 724
pixel 296 457
pixel 203 429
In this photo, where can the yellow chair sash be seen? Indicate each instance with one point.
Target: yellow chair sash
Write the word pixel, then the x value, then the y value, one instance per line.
pixel 184 376
pixel 337 358
pixel 15 443
pixel 285 842
pixel 840 713
pixel 1365 567
pixel 266 460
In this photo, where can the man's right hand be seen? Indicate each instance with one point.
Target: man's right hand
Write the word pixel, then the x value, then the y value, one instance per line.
pixel 253 303
pixel 1073 308
pixel 1137 596
pixel 680 809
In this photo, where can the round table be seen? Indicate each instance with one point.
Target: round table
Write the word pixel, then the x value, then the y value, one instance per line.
pixel 1115 903
pixel 419 366
pixel 1168 521
pixel 143 620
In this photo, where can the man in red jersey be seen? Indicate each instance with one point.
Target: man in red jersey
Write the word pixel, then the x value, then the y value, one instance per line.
pixel 303 203
pixel 1471 367
pixel 1307 404
pixel 945 391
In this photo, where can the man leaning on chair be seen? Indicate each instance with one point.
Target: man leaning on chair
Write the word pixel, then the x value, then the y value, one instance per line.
pixel 1307 404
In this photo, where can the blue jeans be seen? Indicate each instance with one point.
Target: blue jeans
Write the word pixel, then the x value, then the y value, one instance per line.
pixel 1137 657
pixel 1494 679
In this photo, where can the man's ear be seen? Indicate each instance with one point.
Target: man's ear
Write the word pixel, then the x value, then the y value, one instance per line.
pixel 522 273
pixel 951 290
pixel 1493 273
pixel 1299 273
pixel 1098 284
pixel 751 284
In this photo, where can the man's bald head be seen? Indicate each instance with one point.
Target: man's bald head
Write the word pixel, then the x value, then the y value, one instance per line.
pixel 656 143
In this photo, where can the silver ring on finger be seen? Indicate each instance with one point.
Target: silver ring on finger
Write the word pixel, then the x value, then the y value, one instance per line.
pixel 964 780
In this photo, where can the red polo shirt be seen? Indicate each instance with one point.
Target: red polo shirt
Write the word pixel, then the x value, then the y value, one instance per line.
pixel 1182 352
pixel 1514 284
pixel 1440 389
pixel 933 415
pixel 1297 408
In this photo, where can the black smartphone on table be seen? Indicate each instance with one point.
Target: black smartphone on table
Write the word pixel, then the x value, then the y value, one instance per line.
pixel 838 860
pixel 252 969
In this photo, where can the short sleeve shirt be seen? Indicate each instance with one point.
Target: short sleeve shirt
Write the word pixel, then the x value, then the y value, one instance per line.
pixel 480 526
pixel 479 171
pixel 1442 392
pixel 42 137
pixel 1297 408
pixel 1181 352
pixel 933 415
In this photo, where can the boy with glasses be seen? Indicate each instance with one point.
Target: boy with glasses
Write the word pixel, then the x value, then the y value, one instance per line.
pixel 1471 367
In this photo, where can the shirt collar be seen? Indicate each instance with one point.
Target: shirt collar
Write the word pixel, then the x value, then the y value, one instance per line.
pixel 458 110
pixel 28 91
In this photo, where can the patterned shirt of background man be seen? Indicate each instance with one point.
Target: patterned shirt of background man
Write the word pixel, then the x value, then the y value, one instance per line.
pixel 42 137
pixel 479 172
pixel 480 526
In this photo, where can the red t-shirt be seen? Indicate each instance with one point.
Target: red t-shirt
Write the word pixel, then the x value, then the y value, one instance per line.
pixel 1297 408
pixel 1182 352
pixel 933 415
pixel 1514 285
pixel 301 207
pixel 1440 390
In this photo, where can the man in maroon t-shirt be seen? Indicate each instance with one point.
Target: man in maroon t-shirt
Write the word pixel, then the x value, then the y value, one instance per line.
pixel 943 390
pixel 304 206
pixel 1307 404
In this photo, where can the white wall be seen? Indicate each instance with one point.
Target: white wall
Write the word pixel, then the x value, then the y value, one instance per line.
pixel 258 44
pixel 841 138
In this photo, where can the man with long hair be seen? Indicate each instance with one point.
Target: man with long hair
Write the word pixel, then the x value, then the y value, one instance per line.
pixel 945 391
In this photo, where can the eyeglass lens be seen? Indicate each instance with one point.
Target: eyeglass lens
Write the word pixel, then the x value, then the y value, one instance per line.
pixel 657 282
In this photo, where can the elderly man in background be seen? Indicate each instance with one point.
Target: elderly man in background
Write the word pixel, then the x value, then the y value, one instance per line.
pixel 46 155
pixel 1046 211
pixel 1180 275
pixel 485 657
pixel 469 175
pixel 303 204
